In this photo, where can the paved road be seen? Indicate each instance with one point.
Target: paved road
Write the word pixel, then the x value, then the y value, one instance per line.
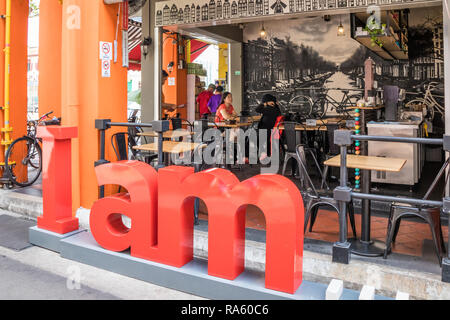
pixel 21 281
pixel 37 273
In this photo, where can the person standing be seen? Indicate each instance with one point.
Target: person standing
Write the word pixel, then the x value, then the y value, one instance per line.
pixel 270 112
pixel 215 100
pixel 203 99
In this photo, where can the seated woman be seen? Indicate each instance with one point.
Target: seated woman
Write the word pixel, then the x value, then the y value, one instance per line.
pixel 226 110
pixel 270 111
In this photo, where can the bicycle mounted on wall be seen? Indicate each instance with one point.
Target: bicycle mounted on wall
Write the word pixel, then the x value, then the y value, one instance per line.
pixel 316 104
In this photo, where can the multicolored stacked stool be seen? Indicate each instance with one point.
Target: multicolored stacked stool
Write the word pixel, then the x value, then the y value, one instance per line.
pixel 357 147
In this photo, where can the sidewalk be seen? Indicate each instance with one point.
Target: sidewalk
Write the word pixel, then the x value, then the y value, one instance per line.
pixel 36 273
pixel 402 273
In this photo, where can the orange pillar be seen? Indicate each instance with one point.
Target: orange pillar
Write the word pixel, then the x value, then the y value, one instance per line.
pixel 50 29
pixel 86 94
pixel 174 94
pixel 18 69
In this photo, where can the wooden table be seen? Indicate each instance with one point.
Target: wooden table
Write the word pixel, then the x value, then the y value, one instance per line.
pixel 368 108
pixel 321 124
pixel 171 134
pixel 300 127
pixel 170 147
pixel 368 163
pixel 366 247
pixel 228 125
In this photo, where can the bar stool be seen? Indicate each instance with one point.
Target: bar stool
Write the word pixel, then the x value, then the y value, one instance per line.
pixel 317 198
pixel 431 215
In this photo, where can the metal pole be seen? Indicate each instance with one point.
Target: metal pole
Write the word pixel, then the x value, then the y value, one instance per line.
pixel 398 139
pixel 446 35
pixel 102 157
pixel 365 217
pixel 379 197
pixel 343 204
pixel 160 151
pixel 6 141
pixel 157 55
pixel 102 144
pixel 130 124
pixel 102 125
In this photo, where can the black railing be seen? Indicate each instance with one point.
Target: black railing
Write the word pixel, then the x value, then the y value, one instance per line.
pixel 102 125
pixel 344 194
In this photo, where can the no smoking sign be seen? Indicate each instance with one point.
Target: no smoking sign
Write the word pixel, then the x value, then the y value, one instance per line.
pixel 106 50
pixel 106 69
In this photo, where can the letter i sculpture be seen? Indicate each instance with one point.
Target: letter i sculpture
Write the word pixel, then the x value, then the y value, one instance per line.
pixel 56 179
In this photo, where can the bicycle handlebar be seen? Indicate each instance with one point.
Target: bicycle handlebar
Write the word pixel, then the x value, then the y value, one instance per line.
pixel 45 115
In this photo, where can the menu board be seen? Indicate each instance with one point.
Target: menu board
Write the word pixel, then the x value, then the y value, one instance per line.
pixel 184 12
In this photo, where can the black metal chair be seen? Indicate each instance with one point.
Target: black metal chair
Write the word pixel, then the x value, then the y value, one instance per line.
pixel 290 152
pixel 122 142
pixel 333 150
pixel 177 123
pixel 316 198
pixel 431 215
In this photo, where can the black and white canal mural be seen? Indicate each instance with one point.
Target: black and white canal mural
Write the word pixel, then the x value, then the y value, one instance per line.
pixel 306 56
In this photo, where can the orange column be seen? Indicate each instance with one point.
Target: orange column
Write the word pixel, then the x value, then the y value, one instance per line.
pixel 50 29
pixel 86 95
pixel 18 69
pixel 175 94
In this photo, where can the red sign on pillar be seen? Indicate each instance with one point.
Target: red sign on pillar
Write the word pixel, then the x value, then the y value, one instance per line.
pixel 57 179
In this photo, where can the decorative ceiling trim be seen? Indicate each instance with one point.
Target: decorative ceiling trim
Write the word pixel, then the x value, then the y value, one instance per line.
pixel 211 12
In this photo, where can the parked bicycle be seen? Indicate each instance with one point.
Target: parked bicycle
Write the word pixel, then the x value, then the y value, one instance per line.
pixel 310 106
pixel 318 108
pixel 23 164
pixel 430 100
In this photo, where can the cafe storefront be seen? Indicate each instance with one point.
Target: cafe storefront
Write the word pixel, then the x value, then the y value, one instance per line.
pixel 361 144
pixel 374 67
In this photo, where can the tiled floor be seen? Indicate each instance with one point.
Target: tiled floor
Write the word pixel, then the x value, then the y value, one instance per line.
pixel 326 227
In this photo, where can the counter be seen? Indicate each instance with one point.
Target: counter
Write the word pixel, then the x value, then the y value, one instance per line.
pixel 414 153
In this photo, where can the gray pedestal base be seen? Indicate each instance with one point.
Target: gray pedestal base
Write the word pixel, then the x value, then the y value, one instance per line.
pixel 47 239
pixel 446 270
pixel 192 278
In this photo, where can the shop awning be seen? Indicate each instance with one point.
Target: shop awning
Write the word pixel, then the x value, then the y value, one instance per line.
pixel 134 41
pixel 134 34
pixel 135 59
pixel 134 48
pixel 197 48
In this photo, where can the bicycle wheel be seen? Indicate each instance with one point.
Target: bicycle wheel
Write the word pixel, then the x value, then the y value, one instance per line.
pixel 349 103
pixel 319 108
pixel 24 161
pixel 353 99
pixel 301 104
